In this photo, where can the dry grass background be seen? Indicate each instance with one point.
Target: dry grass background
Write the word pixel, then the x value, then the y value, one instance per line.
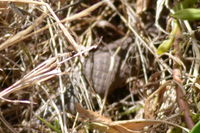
pixel 43 45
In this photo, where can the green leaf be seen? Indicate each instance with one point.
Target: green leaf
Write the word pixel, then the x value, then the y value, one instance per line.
pixel 185 4
pixel 196 128
pixel 165 46
pixel 49 125
pixel 187 14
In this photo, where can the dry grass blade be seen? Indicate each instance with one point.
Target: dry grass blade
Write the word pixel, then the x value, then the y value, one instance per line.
pixel 11 41
pixel 11 129
pixel 46 66
pixel 25 33
pixel 63 28
pixel 24 1
pixel 46 70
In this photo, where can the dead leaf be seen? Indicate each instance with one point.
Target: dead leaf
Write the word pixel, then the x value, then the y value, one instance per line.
pixel 92 116
pixel 104 124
